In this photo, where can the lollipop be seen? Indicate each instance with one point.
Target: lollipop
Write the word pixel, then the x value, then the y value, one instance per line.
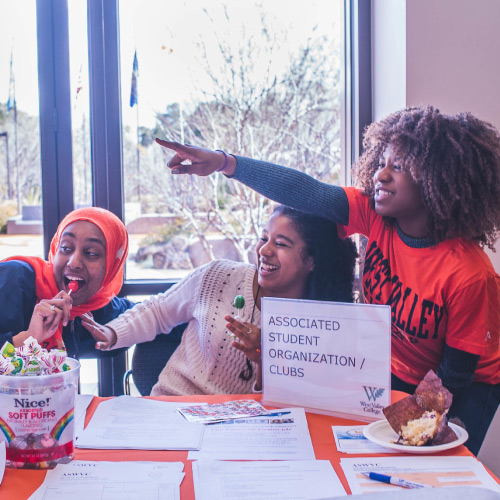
pixel 239 304
pixel 72 286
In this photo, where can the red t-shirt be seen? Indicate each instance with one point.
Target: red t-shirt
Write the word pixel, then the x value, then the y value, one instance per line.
pixel 449 294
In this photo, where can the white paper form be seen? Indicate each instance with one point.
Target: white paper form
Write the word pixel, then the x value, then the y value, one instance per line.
pixel 2 460
pixel 82 480
pixel 82 402
pixel 127 422
pixel 297 480
pixel 258 438
pixel 433 471
pixel 350 439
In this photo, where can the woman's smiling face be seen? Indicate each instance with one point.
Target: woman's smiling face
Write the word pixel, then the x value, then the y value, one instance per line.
pixel 398 196
pixel 81 257
pixel 283 263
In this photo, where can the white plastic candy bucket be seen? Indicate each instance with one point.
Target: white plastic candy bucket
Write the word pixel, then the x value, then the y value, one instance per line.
pixel 36 417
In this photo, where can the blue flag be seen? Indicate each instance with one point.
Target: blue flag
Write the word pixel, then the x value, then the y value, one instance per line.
pixel 11 102
pixel 133 87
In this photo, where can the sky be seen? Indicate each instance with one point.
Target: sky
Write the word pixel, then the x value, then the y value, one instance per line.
pixel 163 34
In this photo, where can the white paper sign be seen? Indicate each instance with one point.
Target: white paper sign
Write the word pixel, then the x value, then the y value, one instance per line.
pixel 328 357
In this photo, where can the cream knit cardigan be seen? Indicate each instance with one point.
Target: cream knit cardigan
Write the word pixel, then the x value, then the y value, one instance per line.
pixel 205 362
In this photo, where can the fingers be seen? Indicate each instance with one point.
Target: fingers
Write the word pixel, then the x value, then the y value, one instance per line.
pixel 182 153
pixel 253 354
pixel 194 160
pixel 175 146
pixel 64 302
pixel 44 320
pixel 244 331
pixel 54 311
pixel 103 335
pixel 248 336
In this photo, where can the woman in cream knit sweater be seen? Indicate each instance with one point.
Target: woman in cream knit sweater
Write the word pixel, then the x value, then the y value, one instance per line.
pixel 298 255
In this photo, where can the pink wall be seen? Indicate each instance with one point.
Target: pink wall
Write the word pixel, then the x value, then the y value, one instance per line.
pixel 441 52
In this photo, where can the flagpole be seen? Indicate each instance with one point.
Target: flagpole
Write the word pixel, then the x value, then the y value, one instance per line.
pixel 9 187
pixel 16 152
pixel 11 103
pixel 138 157
pixel 134 101
pixel 84 144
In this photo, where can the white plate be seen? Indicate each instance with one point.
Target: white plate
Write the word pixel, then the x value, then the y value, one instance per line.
pixel 381 432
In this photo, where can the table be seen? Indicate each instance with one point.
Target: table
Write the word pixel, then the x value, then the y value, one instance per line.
pixel 20 484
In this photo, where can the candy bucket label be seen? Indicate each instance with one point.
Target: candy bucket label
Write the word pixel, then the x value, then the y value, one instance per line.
pixel 37 428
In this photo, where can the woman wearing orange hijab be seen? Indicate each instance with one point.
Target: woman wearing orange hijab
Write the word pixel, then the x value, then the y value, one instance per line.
pixel 88 249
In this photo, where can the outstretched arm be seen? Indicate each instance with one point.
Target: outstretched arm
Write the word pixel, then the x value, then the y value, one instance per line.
pixel 284 185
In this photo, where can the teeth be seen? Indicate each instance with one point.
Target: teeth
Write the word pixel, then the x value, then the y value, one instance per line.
pixel 73 278
pixel 383 191
pixel 268 267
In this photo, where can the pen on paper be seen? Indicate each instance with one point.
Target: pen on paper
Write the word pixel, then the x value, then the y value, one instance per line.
pixel 264 415
pixel 394 480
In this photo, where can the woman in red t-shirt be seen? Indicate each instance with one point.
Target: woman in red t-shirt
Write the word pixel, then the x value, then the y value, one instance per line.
pixel 428 199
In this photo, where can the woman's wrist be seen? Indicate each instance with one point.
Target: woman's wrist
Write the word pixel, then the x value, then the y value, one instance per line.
pixel 113 339
pixel 228 167
pixel 18 340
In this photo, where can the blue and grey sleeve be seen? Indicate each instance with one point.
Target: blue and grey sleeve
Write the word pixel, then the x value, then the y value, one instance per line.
pixel 293 188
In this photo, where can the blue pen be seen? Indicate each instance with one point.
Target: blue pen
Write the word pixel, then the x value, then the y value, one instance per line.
pixel 264 415
pixel 394 480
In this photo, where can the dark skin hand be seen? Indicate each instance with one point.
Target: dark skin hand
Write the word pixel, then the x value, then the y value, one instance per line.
pixel 194 160
pixel 249 343
pixel 46 317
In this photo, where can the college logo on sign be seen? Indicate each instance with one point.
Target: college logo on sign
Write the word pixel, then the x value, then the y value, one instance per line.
pixel 373 393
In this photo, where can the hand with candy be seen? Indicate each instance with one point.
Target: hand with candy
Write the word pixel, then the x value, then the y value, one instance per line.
pixel 239 304
pixel 104 336
pixel 46 317
pixel 248 335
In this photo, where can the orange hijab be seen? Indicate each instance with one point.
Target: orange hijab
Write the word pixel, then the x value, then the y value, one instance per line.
pixel 116 237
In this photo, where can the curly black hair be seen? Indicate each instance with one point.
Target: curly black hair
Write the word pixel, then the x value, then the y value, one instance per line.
pixel 455 159
pixel 334 258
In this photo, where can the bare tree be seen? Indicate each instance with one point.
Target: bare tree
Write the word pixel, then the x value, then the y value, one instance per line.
pixel 290 117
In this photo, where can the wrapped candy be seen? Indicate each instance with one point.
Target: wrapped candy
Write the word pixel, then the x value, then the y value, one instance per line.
pixel 6 366
pixel 33 367
pixel 37 397
pixel 8 350
pixel 30 347
pixel 31 359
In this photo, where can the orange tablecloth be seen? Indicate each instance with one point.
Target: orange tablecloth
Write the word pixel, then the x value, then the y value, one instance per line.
pixel 20 484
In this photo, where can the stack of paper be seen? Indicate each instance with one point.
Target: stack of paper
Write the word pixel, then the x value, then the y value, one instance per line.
pixel 80 480
pixel 126 422
pixel 437 472
pixel 300 480
pixel 284 437
pixel 82 402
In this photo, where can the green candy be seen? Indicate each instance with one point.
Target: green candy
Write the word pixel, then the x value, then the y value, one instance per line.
pixel 239 302
pixel 8 350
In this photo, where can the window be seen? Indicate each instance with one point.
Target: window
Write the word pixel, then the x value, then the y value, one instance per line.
pixel 20 171
pixel 272 80
pixel 258 79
